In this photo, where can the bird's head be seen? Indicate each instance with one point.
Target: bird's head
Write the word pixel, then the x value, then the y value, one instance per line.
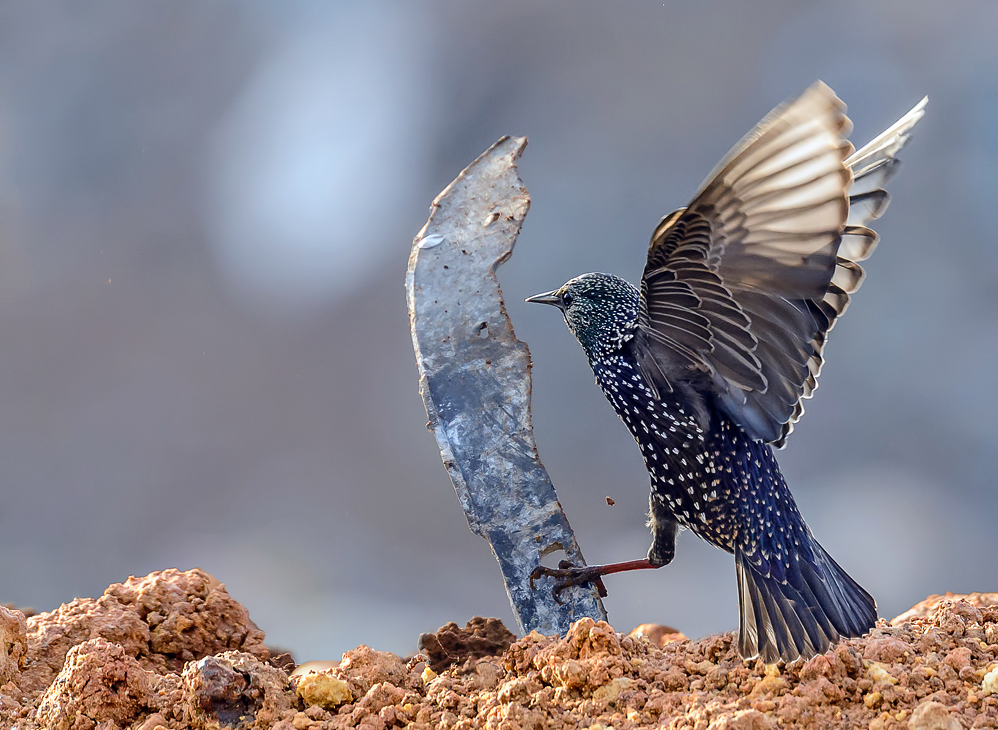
pixel 600 309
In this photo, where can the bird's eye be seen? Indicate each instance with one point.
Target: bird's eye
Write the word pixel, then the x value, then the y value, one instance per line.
pixel 567 299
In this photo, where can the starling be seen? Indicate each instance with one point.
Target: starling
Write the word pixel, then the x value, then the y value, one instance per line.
pixel 709 361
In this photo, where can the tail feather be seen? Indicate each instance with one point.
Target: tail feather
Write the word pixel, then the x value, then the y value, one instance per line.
pixel 780 621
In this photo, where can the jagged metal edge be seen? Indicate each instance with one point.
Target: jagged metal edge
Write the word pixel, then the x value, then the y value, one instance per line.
pixel 523 525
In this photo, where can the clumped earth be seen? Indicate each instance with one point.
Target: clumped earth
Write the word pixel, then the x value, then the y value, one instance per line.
pixel 451 645
pixel 173 651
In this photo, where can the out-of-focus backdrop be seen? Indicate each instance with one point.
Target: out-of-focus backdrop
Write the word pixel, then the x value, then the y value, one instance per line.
pixel 205 214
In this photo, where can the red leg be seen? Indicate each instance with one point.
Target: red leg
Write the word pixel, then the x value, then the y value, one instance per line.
pixel 567 575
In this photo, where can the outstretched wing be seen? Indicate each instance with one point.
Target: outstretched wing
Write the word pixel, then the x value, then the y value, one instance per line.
pixel 745 283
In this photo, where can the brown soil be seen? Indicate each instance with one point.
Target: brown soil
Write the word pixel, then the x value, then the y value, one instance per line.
pixel 450 645
pixel 174 651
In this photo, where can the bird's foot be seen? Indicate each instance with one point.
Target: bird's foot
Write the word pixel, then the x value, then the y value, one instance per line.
pixel 567 575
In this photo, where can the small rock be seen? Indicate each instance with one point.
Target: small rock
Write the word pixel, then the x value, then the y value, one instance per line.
pixel 932 603
pixel 316 665
pixel 959 658
pixel 769 684
pixel 365 667
pixel 13 644
pixel 610 691
pixel 657 634
pixel 380 696
pixel 153 722
pixel 933 716
pixel 571 674
pixel 878 673
pixel 324 690
pixel 233 690
pixel 743 720
pixel 99 682
pixel 990 681
pixel 872 699
pixel 487 675
pixel 886 650
pixel 282 660
pixel 317 713
pixel 819 666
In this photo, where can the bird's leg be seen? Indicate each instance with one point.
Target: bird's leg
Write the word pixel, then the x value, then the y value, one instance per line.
pixel 664 530
pixel 567 575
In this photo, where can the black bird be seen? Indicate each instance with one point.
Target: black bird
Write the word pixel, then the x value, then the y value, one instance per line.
pixel 709 361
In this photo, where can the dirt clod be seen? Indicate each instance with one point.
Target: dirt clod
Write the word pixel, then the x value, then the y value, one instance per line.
pixel 450 645
pixel 98 682
pixel 233 690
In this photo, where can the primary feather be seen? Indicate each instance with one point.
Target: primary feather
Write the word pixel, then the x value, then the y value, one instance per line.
pixel 769 249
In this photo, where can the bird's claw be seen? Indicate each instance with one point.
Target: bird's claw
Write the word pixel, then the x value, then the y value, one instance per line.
pixel 567 575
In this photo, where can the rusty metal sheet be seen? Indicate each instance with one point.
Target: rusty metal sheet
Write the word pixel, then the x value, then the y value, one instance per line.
pixel 474 376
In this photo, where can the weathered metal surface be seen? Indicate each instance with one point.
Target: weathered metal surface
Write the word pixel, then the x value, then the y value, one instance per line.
pixel 475 383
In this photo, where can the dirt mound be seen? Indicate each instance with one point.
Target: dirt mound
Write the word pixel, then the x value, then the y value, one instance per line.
pixel 173 651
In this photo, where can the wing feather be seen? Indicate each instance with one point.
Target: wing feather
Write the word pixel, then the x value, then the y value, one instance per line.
pixel 745 283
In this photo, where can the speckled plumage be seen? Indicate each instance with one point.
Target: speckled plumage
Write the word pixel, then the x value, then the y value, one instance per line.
pixel 708 362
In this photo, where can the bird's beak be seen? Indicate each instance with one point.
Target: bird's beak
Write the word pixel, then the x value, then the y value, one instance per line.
pixel 550 297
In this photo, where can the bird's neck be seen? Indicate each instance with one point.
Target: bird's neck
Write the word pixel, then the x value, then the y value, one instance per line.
pixel 608 345
pixel 605 333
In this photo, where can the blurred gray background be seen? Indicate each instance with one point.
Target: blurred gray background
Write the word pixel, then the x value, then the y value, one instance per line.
pixel 205 214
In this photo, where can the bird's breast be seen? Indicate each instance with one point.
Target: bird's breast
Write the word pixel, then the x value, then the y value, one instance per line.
pixel 681 452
